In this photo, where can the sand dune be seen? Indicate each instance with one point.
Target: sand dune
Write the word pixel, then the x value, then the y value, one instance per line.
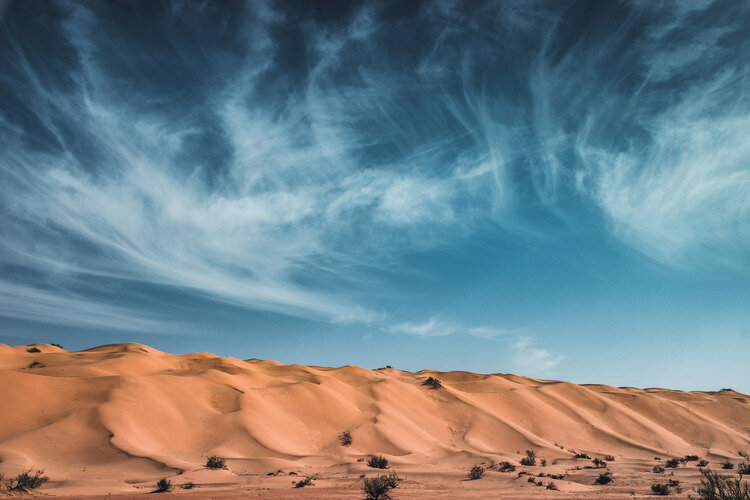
pixel 115 418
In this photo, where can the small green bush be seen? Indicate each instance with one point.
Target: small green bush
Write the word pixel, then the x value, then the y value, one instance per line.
pixel 672 463
pixel 377 488
pixel 600 464
pixel 702 463
pixel 506 467
pixel 543 462
pixel 345 438
pixel 658 469
pixel 303 482
pixel 609 458
pixel 57 345
pixel 188 486
pixel 551 486
pixel 529 459
pixel 716 487
pixel 743 469
pixel 27 481
pixel 33 349
pixel 432 383
pixel 691 458
pixel 727 465
pixel 163 485
pixel 215 462
pixel 604 478
pixel 660 489
pixel 476 472
pixel 582 455
pixel 378 462
pixel 35 364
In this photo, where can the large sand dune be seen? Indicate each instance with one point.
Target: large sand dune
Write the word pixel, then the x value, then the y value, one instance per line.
pixel 115 418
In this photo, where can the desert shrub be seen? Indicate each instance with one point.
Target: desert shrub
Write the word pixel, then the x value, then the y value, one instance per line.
pixel 543 462
pixel 27 481
pixel 57 345
pixel 506 467
pixel 377 488
pixel 303 482
pixel 716 487
pixel 600 464
pixel 378 462
pixel 660 489
pixel 188 486
pixel 727 465
pixel 539 483
pixel 702 463
pixel 163 485
pixel 531 480
pixel 476 472
pixel 673 482
pixel 551 486
pixel 609 458
pixel 557 476
pixel 345 438
pixel 33 349
pixel 582 455
pixel 432 383
pixel 529 459
pixel 215 462
pixel 743 469
pixel 725 389
pixel 658 469
pixel 604 478
pixel 672 463
pixel 35 364
pixel 691 458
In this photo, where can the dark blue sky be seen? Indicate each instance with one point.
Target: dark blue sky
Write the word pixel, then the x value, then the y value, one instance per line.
pixel 556 189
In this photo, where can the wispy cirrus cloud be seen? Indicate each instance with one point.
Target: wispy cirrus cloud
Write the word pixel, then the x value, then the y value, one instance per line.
pixel 256 159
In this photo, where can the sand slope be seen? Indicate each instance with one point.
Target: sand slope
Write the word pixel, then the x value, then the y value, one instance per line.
pixel 117 415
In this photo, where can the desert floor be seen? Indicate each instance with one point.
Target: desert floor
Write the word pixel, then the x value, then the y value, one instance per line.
pixel 114 419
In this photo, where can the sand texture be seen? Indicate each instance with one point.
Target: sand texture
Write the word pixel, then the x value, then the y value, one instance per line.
pixel 116 418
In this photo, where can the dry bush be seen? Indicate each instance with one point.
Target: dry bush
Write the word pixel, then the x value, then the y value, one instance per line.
pixel 27 481
pixel 476 472
pixel 215 462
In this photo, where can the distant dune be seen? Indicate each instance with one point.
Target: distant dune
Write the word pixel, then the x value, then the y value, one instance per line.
pixel 118 417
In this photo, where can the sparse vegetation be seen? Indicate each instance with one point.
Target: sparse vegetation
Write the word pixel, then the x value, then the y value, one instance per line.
pixel 345 438
pixel 552 486
pixel 35 364
pixel 303 482
pixel 609 458
pixel 604 478
pixel 582 455
pixel 377 488
pixel 27 481
pixel 691 458
pixel 672 463
pixel 557 476
pixel 506 467
pixel 716 487
pixel 529 459
pixel 702 463
pixel 378 462
pixel 215 462
pixel 658 469
pixel 743 469
pixel 727 465
pixel 188 486
pixel 33 349
pixel 432 383
pixel 543 462
pixel 725 389
pixel 531 480
pixel 660 489
pixel 476 472
pixel 599 463
pixel 163 485
pixel 57 345
pixel 673 482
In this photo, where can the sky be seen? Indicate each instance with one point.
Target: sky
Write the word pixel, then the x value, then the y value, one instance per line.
pixel 553 189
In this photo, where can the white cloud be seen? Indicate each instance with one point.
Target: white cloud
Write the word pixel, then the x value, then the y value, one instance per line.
pixel 433 327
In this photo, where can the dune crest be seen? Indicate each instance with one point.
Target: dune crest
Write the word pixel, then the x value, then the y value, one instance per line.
pixel 130 410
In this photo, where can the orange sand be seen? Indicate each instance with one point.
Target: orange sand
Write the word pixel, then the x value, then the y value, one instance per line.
pixel 115 418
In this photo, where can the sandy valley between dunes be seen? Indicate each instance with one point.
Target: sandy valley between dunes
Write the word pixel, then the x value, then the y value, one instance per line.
pixel 114 419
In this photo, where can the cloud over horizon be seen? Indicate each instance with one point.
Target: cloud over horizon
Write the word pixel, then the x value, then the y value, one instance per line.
pixel 288 161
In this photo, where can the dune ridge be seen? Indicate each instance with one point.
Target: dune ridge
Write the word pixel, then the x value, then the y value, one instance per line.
pixel 129 412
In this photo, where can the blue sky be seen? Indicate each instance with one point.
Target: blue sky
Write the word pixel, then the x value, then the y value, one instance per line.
pixel 555 189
